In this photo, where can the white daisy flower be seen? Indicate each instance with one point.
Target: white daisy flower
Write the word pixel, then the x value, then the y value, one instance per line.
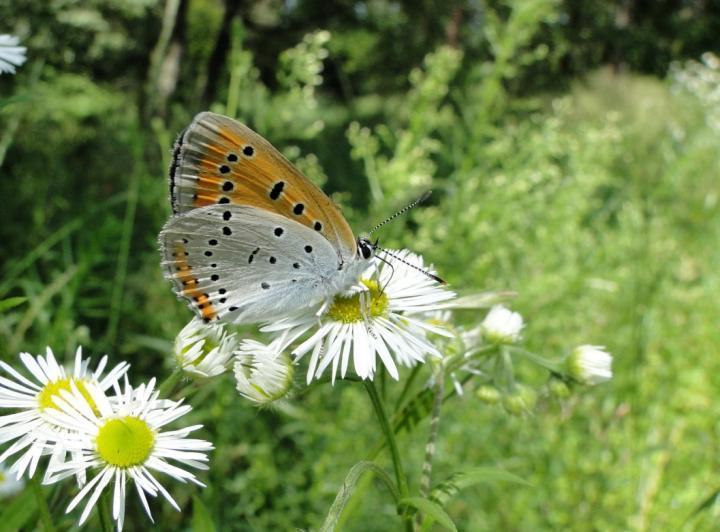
pixel 589 364
pixel 502 325
pixel 122 440
pixel 11 55
pixel 204 350
pixel 264 374
pixel 32 433
pixel 383 316
pixel 9 485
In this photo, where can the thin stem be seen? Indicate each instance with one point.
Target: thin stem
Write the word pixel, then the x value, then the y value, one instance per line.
pixel 381 445
pixel 550 365
pixel 432 436
pixel 42 504
pixel 168 385
pixel 508 368
pixel 400 477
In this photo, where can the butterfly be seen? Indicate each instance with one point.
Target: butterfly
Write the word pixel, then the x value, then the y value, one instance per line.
pixel 251 237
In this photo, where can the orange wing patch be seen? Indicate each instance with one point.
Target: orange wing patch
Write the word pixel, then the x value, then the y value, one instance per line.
pixel 218 160
pixel 184 276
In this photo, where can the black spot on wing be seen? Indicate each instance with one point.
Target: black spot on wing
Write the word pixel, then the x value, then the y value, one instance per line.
pixel 277 190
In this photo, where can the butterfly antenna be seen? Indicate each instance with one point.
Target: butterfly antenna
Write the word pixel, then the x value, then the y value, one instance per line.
pixel 406 263
pixel 402 211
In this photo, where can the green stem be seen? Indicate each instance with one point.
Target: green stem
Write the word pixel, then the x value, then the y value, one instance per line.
pixel 432 436
pixel 168 385
pixel 400 477
pixel 381 445
pixel 42 504
pixel 550 365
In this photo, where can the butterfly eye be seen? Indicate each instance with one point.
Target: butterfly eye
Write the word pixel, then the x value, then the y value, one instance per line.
pixel 365 248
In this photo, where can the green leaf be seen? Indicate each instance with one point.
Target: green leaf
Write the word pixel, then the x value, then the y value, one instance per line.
pixel 18 512
pixel 201 519
pixel 430 509
pixel 11 302
pixel 346 490
pixel 464 479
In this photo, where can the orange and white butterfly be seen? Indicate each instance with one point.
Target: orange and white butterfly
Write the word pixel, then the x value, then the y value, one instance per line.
pixel 251 237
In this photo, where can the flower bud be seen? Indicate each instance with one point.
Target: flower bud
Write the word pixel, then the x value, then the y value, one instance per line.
pixel 520 402
pixel 502 326
pixel 589 364
pixel 488 394
pixel 263 373
pixel 558 388
pixel 204 350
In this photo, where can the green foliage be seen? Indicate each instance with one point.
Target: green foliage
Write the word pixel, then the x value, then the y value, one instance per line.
pixel 593 198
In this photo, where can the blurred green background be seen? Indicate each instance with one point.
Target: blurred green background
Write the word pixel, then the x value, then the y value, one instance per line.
pixel 574 153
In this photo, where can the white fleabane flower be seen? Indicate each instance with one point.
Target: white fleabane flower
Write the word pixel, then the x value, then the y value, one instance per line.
pixel 11 55
pixel 33 435
pixel 502 325
pixel 383 316
pixel 9 485
pixel 264 374
pixel 589 364
pixel 122 440
pixel 203 349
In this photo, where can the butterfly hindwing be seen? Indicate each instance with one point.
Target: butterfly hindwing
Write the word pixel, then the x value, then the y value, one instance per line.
pixel 217 160
pixel 243 264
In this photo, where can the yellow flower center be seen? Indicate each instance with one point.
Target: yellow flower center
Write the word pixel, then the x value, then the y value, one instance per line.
pixel 46 397
pixel 348 309
pixel 125 442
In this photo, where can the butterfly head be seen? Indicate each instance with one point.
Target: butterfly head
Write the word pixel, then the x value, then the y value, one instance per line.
pixel 366 248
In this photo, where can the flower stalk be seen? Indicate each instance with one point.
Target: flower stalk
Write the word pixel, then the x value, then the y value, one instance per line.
pixel 168 385
pixel 432 436
pixel 400 477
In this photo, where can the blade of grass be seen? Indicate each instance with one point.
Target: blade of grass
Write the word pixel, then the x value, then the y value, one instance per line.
pixel 38 304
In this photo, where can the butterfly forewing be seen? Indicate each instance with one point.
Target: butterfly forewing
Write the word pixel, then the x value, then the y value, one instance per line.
pixel 220 161
pixel 243 264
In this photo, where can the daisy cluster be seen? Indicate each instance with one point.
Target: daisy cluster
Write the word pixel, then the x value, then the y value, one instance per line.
pixel 489 352
pixel 383 319
pixel 397 314
pixel 92 427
